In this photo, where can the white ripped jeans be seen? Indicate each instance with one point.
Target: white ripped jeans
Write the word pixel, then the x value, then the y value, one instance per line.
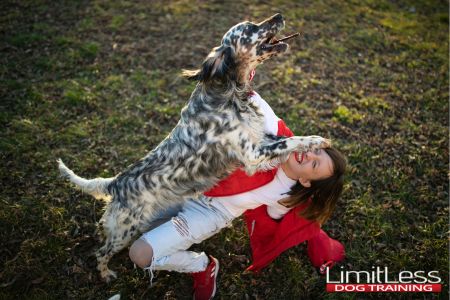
pixel 198 220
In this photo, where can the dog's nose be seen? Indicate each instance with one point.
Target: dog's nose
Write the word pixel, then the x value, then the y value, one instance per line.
pixel 277 17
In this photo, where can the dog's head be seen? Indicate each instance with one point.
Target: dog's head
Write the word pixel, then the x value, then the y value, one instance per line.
pixel 243 47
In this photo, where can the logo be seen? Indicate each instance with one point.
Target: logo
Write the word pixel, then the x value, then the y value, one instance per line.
pixel 379 280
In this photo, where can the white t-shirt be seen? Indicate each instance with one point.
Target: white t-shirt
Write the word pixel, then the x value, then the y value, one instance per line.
pixel 270 193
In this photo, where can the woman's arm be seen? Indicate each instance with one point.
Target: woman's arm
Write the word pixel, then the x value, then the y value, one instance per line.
pixel 270 118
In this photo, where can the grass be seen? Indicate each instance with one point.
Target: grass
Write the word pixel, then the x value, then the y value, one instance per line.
pixel 96 83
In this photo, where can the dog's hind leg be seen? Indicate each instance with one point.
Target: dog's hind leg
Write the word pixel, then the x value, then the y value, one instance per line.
pixel 119 230
pixel 270 154
pixel 104 254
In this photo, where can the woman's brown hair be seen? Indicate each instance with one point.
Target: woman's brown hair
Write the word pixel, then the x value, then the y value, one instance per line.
pixel 323 194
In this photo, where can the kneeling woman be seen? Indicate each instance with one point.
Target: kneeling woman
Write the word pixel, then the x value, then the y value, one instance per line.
pixel 314 179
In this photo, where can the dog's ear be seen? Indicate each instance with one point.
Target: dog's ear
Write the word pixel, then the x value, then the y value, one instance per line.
pixel 225 66
pixel 219 64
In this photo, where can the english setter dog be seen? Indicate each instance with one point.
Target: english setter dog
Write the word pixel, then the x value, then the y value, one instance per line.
pixel 219 131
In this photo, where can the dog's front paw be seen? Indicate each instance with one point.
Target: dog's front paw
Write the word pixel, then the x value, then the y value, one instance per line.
pixel 251 168
pixel 314 142
pixel 320 142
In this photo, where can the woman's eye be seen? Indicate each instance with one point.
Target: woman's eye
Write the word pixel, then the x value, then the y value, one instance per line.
pixel 317 151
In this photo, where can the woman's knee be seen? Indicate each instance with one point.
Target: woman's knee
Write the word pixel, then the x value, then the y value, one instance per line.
pixel 141 253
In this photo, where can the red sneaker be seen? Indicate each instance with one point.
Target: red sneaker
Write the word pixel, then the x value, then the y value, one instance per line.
pixel 205 282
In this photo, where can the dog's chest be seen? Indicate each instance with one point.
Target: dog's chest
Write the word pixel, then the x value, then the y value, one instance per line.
pixel 247 128
pixel 235 126
pixel 252 121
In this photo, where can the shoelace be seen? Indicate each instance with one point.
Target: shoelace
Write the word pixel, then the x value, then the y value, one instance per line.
pixel 324 266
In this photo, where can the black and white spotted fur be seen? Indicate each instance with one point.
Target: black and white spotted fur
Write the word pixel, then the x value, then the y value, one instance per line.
pixel 219 130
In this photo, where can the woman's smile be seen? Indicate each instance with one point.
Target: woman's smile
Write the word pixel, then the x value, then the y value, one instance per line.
pixel 299 157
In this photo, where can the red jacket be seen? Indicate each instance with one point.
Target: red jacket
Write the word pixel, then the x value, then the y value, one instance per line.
pixel 269 237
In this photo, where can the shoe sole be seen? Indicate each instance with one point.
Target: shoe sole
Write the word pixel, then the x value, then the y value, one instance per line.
pixel 216 271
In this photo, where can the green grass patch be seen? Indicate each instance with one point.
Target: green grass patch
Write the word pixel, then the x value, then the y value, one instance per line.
pixel 26 39
pixel 375 104
pixel 117 22
pixel 65 41
pixel 86 24
pixel 89 50
pixel 346 115
pixel 76 95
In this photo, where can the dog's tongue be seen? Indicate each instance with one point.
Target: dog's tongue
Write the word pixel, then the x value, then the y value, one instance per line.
pixel 252 74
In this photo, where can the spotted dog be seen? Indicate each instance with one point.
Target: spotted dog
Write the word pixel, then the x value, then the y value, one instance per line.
pixel 219 131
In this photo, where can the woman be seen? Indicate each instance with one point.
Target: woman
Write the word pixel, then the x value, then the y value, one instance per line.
pixel 314 175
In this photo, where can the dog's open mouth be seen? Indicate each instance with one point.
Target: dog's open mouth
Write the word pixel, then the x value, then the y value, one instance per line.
pixel 279 45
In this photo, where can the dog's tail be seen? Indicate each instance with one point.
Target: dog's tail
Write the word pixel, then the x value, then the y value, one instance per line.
pixel 97 187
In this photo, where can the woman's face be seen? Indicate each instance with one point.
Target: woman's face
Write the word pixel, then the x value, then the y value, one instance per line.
pixel 311 165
